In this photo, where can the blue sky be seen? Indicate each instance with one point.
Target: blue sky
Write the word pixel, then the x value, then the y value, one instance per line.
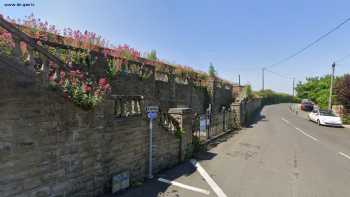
pixel 239 37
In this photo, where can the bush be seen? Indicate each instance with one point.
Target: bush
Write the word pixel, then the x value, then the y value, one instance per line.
pixel 212 71
pixel 315 89
pixel 152 55
pixel 82 91
pixel 346 119
pixel 342 90
pixel 270 97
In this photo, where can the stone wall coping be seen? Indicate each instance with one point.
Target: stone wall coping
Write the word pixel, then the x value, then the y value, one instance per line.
pixel 180 110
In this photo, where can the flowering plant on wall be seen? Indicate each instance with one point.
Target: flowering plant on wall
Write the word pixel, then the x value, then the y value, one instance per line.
pixel 81 90
pixel 112 68
pixel 42 30
pixel 125 51
pixel 85 40
pixel 79 51
pixel 6 42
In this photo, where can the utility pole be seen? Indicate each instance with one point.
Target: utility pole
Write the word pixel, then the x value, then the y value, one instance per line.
pixel 263 78
pixel 331 88
pixel 239 79
pixel 293 85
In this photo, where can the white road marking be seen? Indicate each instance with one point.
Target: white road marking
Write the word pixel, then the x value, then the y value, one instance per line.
pixel 286 121
pixel 315 139
pixel 203 191
pixel 208 179
pixel 343 154
pixel 307 135
pixel 301 131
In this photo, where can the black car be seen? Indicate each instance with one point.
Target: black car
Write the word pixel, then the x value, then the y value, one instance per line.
pixel 307 105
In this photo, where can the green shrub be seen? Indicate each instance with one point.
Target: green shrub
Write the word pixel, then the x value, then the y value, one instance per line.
pixel 152 55
pixel 270 97
pixel 346 119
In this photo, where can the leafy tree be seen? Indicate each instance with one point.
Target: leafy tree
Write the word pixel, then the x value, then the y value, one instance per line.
pixel 212 71
pixel 152 55
pixel 315 89
pixel 342 90
pixel 248 91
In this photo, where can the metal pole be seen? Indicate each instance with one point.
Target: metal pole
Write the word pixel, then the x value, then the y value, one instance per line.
pixel 331 88
pixel 239 80
pixel 263 78
pixel 150 175
pixel 293 86
pixel 209 121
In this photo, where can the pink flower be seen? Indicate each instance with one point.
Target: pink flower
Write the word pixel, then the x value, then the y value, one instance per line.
pixel 102 82
pixel 62 74
pixel 79 74
pixel 23 47
pixel 86 88
pixel 107 88
pixel 52 77
pixel 72 73
pixel 97 93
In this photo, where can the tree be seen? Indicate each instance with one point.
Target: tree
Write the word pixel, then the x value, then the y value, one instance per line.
pixel 315 89
pixel 248 91
pixel 270 97
pixel 152 55
pixel 342 90
pixel 212 70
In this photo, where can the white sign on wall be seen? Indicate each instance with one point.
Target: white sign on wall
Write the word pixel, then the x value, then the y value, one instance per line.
pixel 120 182
pixel 202 123
pixel 152 108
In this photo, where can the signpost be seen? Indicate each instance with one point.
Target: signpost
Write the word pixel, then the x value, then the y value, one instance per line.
pixel 151 114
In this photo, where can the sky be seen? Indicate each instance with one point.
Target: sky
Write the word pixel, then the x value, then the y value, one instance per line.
pixel 238 37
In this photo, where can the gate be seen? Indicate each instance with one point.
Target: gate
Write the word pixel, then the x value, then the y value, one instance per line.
pixel 209 125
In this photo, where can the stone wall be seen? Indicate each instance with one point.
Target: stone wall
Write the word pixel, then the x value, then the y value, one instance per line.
pixel 236 90
pixel 160 93
pixel 246 110
pixel 49 147
pixel 223 97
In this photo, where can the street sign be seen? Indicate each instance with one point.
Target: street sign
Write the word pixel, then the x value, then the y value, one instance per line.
pixel 152 109
pixel 120 182
pixel 152 115
pixel 202 123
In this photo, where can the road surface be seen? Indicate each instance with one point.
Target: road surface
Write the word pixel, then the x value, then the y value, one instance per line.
pixel 282 155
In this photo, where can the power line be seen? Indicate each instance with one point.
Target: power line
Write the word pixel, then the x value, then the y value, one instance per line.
pixel 310 44
pixel 282 76
pixel 278 74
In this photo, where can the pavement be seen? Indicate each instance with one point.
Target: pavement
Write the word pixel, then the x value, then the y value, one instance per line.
pixel 281 155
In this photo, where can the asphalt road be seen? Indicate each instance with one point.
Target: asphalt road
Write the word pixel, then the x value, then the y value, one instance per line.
pixel 282 155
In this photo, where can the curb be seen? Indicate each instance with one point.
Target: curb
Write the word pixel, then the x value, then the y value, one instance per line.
pixel 346 126
pixel 219 136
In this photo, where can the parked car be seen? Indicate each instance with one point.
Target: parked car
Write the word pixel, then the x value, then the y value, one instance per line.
pixel 325 117
pixel 307 105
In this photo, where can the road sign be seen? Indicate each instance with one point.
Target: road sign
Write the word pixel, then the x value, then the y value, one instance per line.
pixel 152 115
pixel 152 109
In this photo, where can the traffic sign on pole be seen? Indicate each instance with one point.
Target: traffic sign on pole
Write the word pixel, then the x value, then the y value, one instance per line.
pixel 151 114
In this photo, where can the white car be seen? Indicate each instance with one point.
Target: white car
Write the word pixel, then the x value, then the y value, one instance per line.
pixel 325 117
